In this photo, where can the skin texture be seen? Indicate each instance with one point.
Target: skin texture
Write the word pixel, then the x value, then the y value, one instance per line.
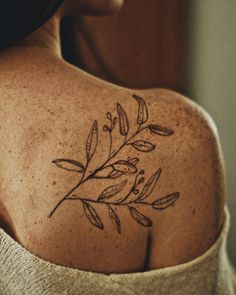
pixel 47 109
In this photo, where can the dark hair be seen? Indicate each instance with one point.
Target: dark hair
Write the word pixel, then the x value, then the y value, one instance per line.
pixel 20 18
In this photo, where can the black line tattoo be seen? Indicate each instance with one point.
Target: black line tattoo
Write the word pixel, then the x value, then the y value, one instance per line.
pixel 111 196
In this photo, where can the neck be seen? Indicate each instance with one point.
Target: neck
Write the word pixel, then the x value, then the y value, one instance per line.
pixel 46 38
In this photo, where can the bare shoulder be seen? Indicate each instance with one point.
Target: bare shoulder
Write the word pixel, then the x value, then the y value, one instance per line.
pixel 181 107
pixel 192 169
pixel 83 152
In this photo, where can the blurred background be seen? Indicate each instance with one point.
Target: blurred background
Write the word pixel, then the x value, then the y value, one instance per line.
pixel 187 46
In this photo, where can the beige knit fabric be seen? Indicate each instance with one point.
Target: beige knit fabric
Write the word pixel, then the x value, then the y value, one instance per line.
pixel 23 273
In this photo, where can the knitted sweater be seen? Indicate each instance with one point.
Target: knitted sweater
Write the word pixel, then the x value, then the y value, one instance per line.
pixel 23 273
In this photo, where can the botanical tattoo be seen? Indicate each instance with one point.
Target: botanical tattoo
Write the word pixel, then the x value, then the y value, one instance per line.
pixel 112 196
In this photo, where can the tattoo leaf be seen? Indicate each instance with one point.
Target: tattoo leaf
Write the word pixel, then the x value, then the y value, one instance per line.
pixel 112 190
pixel 114 174
pixel 133 161
pixel 92 141
pixel 109 116
pixel 140 218
pixel 149 186
pixel 163 131
pixel 141 180
pixel 106 128
pixel 163 203
pixel 143 146
pixel 124 167
pixel 123 120
pixel 70 165
pixel 92 215
pixel 142 110
pixel 114 218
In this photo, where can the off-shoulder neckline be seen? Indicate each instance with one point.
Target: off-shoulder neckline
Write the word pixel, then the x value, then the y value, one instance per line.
pixel 210 253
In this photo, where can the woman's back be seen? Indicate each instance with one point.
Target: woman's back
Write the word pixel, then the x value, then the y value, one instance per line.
pixel 72 168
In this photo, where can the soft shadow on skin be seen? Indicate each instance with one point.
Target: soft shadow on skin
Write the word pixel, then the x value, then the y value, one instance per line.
pixel 6 222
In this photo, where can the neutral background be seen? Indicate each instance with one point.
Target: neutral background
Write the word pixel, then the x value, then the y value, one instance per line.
pixel 213 82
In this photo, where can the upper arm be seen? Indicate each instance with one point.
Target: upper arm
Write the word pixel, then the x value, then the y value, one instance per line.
pixel 191 165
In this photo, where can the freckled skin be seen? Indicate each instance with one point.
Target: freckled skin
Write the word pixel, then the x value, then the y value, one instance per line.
pixel 49 117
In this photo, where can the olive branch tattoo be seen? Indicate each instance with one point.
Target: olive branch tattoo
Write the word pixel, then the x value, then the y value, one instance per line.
pixel 111 197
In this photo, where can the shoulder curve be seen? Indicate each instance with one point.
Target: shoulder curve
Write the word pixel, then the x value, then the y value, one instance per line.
pixel 181 103
pixel 196 170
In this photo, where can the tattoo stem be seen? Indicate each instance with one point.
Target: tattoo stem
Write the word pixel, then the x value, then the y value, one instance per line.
pixel 117 151
pixel 109 203
pixel 110 148
pixel 95 171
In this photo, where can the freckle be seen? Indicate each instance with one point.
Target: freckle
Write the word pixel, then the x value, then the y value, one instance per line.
pixel 117 247
pixel 54 182
pixel 35 222
pixel 194 211
pixel 9 151
pixel 21 180
pixel 32 176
